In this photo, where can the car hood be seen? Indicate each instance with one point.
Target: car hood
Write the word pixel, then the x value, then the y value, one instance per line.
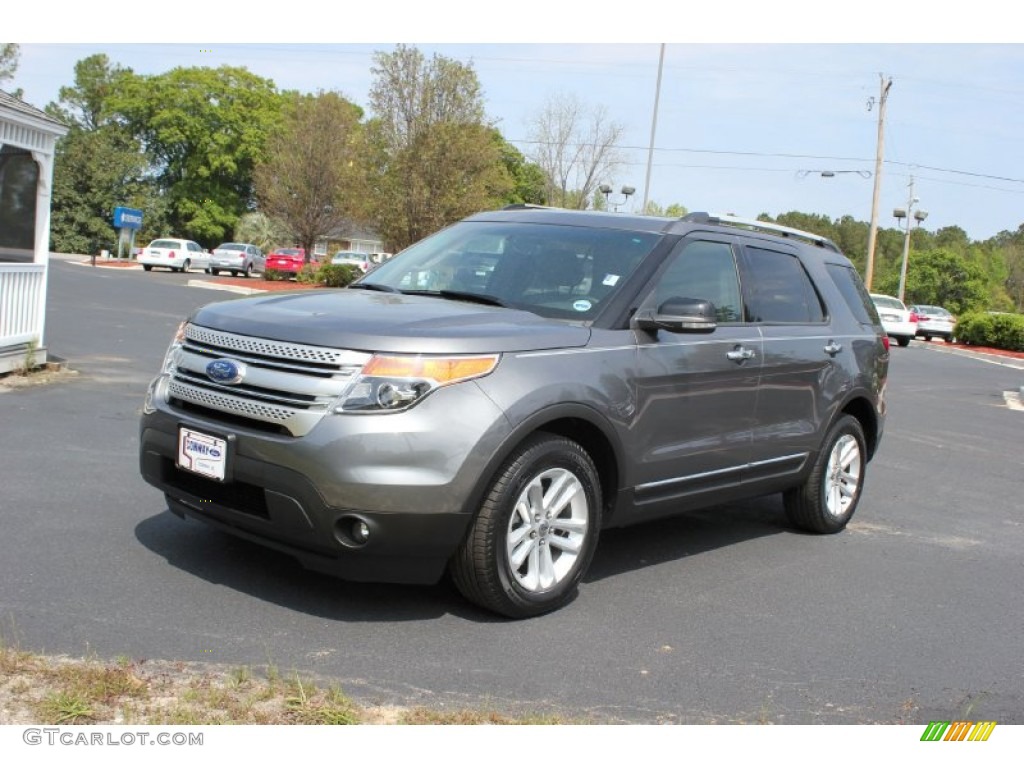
pixel 389 322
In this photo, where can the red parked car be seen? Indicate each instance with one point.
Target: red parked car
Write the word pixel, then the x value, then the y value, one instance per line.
pixel 288 260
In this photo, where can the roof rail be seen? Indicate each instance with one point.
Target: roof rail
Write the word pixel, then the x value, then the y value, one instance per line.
pixel 527 206
pixel 765 226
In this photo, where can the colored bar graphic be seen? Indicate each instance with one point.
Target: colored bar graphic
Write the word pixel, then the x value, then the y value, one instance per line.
pixel 958 730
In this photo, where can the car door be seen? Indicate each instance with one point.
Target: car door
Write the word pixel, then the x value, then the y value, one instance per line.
pixel 799 376
pixel 198 257
pixel 695 391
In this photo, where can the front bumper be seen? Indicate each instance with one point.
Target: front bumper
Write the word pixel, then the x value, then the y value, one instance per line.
pixel 409 477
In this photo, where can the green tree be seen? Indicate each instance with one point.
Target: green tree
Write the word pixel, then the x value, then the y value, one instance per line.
pixel 944 278
pixel 87 103
pixel 203 131
pixel 95 171
pixel 672 210
pixel 309 180
pixel 432 159
pixel 98 165
pixel 528 180
pixel 9 54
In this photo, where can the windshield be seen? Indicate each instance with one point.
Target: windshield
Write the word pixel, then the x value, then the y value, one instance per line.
pixel 288 252
pixel 552 270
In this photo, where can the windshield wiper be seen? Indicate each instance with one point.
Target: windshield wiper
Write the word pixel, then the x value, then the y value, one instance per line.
pixel 479 298
pixel 375 287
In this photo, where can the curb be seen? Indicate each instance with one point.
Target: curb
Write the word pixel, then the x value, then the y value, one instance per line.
pixel 994 358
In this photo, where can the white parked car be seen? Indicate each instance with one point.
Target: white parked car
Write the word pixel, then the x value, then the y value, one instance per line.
pixel 237 258
pixel 174 254
pixel 898 321
pixel 361 260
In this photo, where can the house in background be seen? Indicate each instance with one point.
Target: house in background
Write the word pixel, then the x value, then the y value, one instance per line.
pixel 348 238
pixel 28 137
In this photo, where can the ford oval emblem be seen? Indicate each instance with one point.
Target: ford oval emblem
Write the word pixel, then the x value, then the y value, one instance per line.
pixel 225 371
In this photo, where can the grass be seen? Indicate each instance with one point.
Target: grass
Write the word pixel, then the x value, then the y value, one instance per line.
pixel 56 690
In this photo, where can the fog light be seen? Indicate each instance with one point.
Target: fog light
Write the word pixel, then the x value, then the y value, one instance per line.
pixel 352 532
pixel 360 532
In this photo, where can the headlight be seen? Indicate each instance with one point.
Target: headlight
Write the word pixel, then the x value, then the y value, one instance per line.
pixel 390 383
pixel 171 356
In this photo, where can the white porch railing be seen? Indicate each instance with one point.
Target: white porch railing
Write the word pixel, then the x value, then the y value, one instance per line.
pixel 22 293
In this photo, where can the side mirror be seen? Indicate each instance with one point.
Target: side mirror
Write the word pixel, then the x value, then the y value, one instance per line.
pixel 679 315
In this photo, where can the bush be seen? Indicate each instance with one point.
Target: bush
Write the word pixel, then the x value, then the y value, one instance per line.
pixel 273 275
pixel 337 275
pixel 984 329
pixel 308 275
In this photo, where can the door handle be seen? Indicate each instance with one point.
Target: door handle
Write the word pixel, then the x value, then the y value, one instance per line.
pixel 739 354
pixel 833 348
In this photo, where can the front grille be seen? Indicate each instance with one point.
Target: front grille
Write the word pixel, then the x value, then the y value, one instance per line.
pixel 286 386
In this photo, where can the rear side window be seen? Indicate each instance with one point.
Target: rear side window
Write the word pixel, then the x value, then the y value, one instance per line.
pixel 854 293
pixel 778 289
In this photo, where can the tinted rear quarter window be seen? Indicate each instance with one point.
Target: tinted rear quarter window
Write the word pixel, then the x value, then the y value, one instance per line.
pixel 856 296
pixel 778 289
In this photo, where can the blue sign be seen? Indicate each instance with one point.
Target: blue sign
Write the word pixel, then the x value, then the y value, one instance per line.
pixel 127 218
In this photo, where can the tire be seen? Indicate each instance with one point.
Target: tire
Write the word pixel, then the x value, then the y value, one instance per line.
pixel 185 266
pixel 949 339
pixel 903 341
pixel 248 271
pixel 147 267
pixel 827 500
pixel 213 271
pixel 543 512
pixel 927 337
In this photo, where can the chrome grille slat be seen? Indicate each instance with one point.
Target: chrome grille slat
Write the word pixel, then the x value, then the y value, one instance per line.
pixel 285 350
pixel 195 380
pixel 296 421
pixel 271 378
pixel 285 384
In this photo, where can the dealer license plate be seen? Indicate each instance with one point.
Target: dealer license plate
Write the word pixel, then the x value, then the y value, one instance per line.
pixel 201 453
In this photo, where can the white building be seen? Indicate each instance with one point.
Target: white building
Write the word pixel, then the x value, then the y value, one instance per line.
pixel 28 137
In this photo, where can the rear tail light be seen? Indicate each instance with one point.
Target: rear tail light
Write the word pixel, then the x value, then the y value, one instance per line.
pixel 913 318
pixel 170 255
pixel 885 343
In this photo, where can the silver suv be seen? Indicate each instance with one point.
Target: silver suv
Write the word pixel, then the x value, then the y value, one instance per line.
pixel 492 398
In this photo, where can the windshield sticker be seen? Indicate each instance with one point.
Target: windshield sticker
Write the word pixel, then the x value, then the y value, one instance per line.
pixel 610 279
pixel 582 305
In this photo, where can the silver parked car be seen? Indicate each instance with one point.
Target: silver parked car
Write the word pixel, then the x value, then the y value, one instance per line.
pixel 934 321
pixel 497 396
pixel 237 258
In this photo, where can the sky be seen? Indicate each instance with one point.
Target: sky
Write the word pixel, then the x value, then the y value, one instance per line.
pixel 752 105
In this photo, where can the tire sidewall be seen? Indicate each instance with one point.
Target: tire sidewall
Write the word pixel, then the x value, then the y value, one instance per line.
pixel 848 425
pixel 553 454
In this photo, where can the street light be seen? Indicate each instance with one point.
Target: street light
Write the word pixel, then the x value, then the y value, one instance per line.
pixel 606 190
pixel 908 213
pixel 828 174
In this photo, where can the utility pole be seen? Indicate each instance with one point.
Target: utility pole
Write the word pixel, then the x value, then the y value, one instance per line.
pixel 654 125
pixel 886 84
